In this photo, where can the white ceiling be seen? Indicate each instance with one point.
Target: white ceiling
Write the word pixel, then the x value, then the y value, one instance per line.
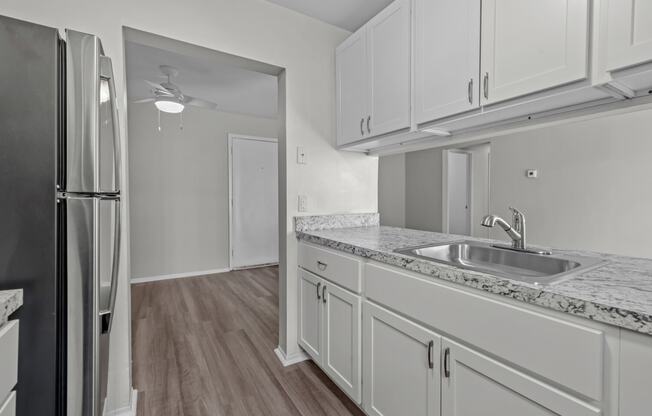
pixel 232 88
pixel 347 14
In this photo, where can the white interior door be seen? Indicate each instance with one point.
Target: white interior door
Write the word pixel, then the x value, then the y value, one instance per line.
pixel 254 201
pixel 459 193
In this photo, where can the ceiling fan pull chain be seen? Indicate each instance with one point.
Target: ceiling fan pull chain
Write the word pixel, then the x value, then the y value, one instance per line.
pixel 159 120
pixel 181 123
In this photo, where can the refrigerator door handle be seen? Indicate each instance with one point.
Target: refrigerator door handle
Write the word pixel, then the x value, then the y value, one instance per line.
pixel 107 315
pixel 106 72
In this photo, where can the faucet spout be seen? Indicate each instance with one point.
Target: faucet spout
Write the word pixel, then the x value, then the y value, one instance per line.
pixel 491 221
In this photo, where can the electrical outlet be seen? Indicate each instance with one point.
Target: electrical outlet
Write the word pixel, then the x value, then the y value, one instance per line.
pixel 303 203
pixel 301 156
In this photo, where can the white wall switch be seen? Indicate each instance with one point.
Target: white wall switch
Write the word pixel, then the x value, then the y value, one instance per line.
pixel 532 173
pixel 301 155
pixel 303 203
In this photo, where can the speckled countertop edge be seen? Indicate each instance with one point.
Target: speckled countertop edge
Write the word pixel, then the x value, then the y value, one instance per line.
pixel 10 300
pixel 618 293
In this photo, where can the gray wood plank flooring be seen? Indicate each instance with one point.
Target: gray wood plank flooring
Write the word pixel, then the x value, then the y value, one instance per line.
pixel 204 346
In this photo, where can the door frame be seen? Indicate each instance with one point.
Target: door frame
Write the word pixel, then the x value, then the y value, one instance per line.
pixel 445 221
pixel 231 138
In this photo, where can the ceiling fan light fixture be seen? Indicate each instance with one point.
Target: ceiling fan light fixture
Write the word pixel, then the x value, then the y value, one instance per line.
pixel 169 105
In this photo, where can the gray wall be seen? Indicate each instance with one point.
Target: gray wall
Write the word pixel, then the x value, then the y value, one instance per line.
pixel 391 190
pixel 423 209
pixel 179 188
pixel 594 190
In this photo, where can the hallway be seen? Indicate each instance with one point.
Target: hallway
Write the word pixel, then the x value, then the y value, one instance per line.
pixel 204 347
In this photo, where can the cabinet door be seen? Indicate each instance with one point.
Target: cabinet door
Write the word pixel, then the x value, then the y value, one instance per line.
pixel 351 88
pixel 341 353
pixel 401 366
pixel 532 45
pixel 447 58
pixel 475 385
pixel 629 33
pixel 388 45
pixel 310 314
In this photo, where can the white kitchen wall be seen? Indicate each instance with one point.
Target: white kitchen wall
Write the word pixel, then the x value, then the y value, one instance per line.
pixel 179 188
pixel 391 190
pixel 333 181
pixel 592 193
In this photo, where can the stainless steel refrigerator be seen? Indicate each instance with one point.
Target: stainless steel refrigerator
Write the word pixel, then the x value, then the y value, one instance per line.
pixel 59 212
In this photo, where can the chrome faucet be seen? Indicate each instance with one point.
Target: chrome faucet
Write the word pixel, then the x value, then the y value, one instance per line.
pixel 516 231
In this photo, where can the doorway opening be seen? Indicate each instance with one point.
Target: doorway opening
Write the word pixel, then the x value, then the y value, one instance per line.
pixel 466 189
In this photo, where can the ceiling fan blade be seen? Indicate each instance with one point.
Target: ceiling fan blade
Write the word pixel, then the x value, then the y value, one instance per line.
pixel 144 100
pixel 154 85
pixel 198 102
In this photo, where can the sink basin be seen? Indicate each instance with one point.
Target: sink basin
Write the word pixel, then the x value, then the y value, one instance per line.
pixel 522 266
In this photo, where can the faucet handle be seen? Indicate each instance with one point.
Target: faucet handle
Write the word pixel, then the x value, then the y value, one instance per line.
pixel 516 212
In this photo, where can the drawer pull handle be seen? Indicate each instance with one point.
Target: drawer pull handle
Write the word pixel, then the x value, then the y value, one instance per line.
pixel 321 265
pixel 318 286
pixel 486 85
pixel 323 294
pixel 431 361
pixel 447 357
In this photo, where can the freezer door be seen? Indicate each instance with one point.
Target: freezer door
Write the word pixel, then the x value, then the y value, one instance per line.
pixel 93 140
pixel 92 259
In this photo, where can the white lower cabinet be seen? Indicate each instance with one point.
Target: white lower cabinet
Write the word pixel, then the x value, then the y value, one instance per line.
pixel 401 365
pixel 329 330
pixel 341 335
pixel 476 385
pixel 310 314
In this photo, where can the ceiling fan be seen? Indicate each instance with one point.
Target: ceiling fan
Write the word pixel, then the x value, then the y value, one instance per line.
pixel 168 96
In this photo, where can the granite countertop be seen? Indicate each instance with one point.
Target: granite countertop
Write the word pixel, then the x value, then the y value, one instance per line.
pixel 619 292
pixel 10 300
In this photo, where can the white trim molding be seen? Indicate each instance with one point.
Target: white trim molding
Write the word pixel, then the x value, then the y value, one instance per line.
pixel 292 359
pixel 146 279
pixel 130 410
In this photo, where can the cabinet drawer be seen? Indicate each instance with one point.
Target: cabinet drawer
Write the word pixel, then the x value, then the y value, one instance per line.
pixel 8 358
pixel 8 408
pixel 338 268
pixel 564 353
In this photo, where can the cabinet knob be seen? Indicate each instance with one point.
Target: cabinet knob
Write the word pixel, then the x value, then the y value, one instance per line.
pixel 321 265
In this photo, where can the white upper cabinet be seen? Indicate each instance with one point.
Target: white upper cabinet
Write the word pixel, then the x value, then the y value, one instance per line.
pixel 532 45
pixel 388 46
pixel 352 88
pixel 373 77
pixel 447 58
pixel 629 33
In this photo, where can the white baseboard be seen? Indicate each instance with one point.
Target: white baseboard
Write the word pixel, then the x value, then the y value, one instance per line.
pixel 291 359
pixel 126 411
pixel 177 275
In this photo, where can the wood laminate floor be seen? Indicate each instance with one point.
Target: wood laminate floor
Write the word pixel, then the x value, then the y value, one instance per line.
pixel 204 346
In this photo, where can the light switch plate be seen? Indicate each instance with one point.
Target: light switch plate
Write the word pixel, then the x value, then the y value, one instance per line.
pixel 303 203
pixel 301 155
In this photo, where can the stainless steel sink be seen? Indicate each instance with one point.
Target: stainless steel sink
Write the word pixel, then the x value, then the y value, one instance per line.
pixel 522 266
